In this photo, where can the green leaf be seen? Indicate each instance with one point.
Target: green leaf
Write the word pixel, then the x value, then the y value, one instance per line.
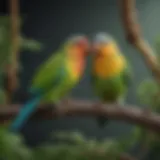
pixel 30 44
pixel 5 42
pixel 2 97
pixel 157 47
pixel 148 93
pixel 74 137
pixel 12 147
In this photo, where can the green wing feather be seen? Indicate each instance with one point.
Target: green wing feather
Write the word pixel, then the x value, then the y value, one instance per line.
pixel 52 79
pixel 49 73
pixel 113 87
pixel 127 74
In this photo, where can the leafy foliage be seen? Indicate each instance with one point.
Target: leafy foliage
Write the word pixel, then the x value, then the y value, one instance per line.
pixel 30 44
pixel 6 50
pixel 12 146
pixel 157 47
pixel 2 97
pixel 2 93
pixel 69 146
pixel 5 41
pixel 149 94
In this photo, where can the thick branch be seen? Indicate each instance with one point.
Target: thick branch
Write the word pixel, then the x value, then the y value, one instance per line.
pixel 130 114
pixel 135 37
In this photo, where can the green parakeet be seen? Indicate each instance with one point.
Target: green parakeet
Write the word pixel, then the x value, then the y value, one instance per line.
pixel 111 75
pixel 56 77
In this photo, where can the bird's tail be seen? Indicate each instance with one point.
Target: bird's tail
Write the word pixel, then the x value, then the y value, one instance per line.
pixel 24 114
pixel 103 121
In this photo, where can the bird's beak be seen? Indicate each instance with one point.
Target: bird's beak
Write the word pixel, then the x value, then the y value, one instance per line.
pixel 87 49
pixel 95 48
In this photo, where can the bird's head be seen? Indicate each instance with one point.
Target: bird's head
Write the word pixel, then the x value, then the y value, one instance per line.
pixel 78 45
pixel 103 44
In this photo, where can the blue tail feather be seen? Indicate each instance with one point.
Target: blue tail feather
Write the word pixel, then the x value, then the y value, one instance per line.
pixel 24 114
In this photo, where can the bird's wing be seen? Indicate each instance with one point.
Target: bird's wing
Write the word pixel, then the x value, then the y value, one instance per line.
pixel 48 74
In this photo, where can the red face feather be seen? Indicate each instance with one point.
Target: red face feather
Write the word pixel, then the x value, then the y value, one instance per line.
pixel 78 51
pixel 80 45
pixel 83 46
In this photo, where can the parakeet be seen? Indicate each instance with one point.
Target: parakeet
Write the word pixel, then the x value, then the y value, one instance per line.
pixel 111 75
pixel 54 79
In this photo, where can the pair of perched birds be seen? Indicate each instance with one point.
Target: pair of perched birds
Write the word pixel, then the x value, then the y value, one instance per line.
pixel 53 80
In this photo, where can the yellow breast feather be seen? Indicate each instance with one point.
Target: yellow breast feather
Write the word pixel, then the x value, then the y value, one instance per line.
pixel 106 67
pixel 75 69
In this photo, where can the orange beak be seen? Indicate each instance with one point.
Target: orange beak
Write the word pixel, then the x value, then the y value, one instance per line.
pixel 86 47
pixel 96 48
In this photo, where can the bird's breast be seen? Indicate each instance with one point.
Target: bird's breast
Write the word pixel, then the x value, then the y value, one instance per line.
pixel 106 67
pixel 75 69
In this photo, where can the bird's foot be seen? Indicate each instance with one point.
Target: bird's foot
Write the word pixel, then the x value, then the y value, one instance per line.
pixel 101 119
pixel 119 103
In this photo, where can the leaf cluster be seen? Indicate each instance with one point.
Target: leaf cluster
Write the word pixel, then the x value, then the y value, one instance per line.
pixel 71 145
pixel 25 44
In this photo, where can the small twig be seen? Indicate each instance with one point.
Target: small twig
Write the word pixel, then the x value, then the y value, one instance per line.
pixel 130 114
pixel 12 67
pixel 134 36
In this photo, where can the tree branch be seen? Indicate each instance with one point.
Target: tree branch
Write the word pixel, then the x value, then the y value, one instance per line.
pixel 135 37
pixel 12 80
pixel 130 114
